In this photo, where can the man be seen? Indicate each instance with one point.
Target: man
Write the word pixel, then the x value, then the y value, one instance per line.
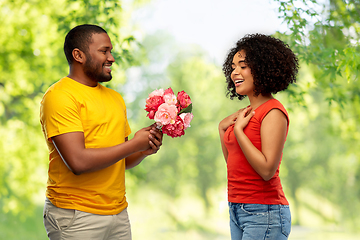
pixel 86 130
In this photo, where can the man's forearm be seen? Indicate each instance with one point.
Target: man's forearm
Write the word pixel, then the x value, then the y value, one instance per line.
pixel 81 160
pixel 134 159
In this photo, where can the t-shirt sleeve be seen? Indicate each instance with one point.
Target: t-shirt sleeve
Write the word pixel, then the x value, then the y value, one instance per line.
pixel 127 126
pixel 60 113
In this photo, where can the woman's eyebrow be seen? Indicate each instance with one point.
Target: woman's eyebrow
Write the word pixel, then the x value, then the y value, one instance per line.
pixel 241 61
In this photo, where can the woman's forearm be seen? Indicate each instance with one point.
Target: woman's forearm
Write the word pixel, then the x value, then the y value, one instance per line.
pixel 254 156
pixel 223 147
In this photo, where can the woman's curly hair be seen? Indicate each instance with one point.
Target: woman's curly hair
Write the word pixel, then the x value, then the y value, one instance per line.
pixel 273 65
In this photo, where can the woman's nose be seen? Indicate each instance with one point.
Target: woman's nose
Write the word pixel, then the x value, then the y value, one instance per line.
pixel 236 70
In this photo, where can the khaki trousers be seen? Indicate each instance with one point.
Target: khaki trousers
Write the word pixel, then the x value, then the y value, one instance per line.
pixel 69 224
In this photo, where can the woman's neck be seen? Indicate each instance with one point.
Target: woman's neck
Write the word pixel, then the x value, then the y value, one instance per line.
pixel 256 101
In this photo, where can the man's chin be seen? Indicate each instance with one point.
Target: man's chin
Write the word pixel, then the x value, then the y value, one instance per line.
pixel 105 79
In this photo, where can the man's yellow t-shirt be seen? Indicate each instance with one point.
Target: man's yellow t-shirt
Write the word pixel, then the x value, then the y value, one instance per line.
pixel 100 113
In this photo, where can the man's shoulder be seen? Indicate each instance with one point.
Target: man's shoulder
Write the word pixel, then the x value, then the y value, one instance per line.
pixel 59 85
pixel 61 92
pixel 112 92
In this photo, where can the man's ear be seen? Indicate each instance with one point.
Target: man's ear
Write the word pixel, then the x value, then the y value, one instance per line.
pixel 78 55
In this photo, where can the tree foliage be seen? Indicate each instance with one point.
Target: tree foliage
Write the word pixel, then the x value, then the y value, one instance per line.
pixel 321 160
pixel 193 162
pixel 31 59
pixel 320 168
pixel 326 38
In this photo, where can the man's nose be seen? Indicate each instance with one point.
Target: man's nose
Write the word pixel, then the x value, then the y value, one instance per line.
pixel 111 58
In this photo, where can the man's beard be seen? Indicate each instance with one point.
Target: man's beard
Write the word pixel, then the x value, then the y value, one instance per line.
pixel 91 70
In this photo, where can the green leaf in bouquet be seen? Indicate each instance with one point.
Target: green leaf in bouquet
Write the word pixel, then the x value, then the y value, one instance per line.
pixel 188 109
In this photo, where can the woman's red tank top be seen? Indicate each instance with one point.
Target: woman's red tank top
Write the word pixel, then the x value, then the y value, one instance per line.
pixel 245 185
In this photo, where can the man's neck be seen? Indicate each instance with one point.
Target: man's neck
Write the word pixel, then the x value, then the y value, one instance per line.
pixel 83 79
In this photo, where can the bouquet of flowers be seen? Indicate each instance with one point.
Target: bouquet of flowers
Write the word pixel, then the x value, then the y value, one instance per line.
pixel 171 113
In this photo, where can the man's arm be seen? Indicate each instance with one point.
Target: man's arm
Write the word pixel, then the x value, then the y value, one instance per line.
pixel 155 143
pixel 71 147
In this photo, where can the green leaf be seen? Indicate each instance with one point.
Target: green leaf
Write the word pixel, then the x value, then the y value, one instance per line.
pixel 186 110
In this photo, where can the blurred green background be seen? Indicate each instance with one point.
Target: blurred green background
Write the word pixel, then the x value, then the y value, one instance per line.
pixel 181 192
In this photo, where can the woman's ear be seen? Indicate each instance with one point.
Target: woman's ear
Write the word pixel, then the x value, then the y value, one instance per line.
pixel 78 55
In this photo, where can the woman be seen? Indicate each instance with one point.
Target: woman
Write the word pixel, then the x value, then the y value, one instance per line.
pixel 253 138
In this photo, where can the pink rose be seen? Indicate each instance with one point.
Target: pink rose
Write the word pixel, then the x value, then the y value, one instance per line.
pixel 153 103
pixel 184 99
pixel 151 114
pixel 166 114
pixel 187 118
pixel 169 97
pixel 174 130
pixel 156 92
pixel 169 91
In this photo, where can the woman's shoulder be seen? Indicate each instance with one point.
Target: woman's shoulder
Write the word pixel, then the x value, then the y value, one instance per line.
pixel 269 105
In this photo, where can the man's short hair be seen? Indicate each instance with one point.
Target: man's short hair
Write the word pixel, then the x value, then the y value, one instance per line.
pixel 80 37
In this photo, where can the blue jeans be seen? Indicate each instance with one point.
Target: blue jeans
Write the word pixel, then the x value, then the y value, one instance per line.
pixel 259 221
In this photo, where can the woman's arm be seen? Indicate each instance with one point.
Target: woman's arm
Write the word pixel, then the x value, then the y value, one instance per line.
pixel 223 148
pixel 273 134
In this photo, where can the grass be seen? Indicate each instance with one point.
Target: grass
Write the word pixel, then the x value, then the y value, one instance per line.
pixel 154 215
pixel 20 228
